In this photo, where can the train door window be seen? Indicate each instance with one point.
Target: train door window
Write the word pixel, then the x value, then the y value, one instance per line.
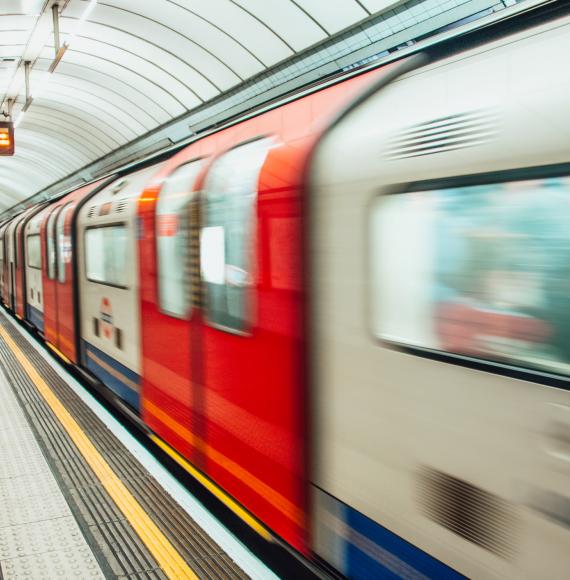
pixel 15 244
pixel 478 271
pixel 106 253
pixel 50 246
pixel 227 238
pixel 63 246
pixel 10 246
pixel 34 252
pixel 173 240
pixel 1 259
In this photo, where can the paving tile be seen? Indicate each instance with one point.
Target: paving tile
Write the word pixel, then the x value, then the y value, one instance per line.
pixel 20 487
pixel 34 508
pixel 39 537
pixel 75 563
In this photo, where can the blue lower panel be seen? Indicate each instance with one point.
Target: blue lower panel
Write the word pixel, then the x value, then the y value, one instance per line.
pixel 361 548
pixel 372 551
pixel 35 317
pixel 122 381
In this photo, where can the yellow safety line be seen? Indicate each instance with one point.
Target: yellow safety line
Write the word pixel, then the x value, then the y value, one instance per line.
pixel 158 544
pixel 233 505
pixel 58 352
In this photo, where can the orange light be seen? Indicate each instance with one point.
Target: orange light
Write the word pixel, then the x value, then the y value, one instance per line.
pixel 6 138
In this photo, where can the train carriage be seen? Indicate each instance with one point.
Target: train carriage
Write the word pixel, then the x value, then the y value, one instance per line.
pixel 109 285
pixel 440 288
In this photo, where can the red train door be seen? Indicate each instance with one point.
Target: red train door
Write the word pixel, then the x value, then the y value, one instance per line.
pixel 20 268
pixel 251 338
pixel 2 261
pixel 15 257
pixel 49 279
pixel 63 283
pixel 169 364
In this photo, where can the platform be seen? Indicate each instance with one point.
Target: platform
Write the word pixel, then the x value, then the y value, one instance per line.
pixel 82 498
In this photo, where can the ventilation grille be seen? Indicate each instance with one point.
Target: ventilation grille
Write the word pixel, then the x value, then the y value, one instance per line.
pixel 91 211
pixel 443 134
pixel 471 512
pixel 121 206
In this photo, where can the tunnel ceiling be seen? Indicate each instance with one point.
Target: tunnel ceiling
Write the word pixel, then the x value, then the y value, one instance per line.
pixel 127 67
pixel 133 65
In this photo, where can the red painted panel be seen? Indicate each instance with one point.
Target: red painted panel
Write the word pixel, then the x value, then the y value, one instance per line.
pixel 166 388
pixel 236 405
pixel 49 286
pixel 20 269
pixel 255 396
pixel 4 289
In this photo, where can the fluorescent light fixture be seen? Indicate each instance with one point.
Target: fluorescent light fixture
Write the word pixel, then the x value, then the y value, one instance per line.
pixel 82 19
pixel 19 119
pixel 31 7
pixel 39 36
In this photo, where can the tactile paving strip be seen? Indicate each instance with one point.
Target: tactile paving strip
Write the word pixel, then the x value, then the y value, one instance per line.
pixel 60 564
pixel 119 550
pixel 35 520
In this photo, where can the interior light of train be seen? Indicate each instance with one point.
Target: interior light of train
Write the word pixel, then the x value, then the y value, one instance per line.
pixel 6 138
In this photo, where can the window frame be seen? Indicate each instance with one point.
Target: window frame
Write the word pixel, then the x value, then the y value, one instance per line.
pixel 193 197
pixel 62 213
pixel 28 265
pixel 250 299
pixel 536 376
pixel 123 224
pixel 54 214
pixel 15 241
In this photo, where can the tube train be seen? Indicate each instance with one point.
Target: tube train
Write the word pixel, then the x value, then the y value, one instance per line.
pixel 349 311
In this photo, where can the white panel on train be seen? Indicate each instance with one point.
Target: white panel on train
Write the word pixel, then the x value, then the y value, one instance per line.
pixel 107 249
pixel 33 261
pixel 405 437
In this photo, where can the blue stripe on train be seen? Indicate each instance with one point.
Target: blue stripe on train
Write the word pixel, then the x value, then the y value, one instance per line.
pixel 372 551
pixel 35 316
pixel 360 548
pixel 111 379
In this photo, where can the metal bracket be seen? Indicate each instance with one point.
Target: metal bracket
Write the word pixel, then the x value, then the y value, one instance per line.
pixel 29 98
pixel 55 19
pixel 58 47
pixel 7 107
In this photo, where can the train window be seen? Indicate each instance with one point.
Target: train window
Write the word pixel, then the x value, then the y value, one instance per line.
pixel 34 252
pixel 15 243
pixel 227 237
pixel 106 249
pixel 481 271
pixel 63 246
pixel 172 239
pixel 50 246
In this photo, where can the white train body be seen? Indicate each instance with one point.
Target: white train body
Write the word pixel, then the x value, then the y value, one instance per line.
pixel 466 458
